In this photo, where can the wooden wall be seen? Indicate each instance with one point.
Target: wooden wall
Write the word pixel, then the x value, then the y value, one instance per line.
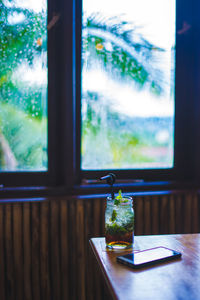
pixel 44 253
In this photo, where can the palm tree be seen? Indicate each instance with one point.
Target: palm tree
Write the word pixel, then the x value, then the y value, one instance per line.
pixel 121 49
pixel 125 56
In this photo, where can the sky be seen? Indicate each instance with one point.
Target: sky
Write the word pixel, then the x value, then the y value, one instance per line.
pixel 156 22
pixel 36 5
pixel 156 17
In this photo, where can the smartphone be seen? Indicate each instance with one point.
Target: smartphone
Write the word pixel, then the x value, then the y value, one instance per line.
pixel 148 257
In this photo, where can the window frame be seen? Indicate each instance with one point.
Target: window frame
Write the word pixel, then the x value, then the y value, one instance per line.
pixel 186 121
pixel 64 114
pixel 16 179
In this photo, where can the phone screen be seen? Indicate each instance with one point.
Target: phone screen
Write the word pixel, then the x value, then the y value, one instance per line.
pixel 149 256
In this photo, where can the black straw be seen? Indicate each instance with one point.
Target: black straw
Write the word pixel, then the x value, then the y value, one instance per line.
pixel 110 179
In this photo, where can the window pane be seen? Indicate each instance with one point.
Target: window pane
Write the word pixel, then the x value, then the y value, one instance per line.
pixel 128 67
pixel 23 85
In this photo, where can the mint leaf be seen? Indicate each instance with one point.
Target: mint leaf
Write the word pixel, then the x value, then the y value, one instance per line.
pixel 114 215
pixel 119 197
pixel 117 202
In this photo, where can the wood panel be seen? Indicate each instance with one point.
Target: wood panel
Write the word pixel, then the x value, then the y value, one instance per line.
pixel 9 261
pixel 44 251
pixel 44 245
pixel 139 215
pixel 147 216
pixel 164 214
pixel 80 260
pixel 172 203
pixel 179 213
pixel 55 250
pixel 155 215
pixel 90 290
pixel 195 214
pixel 18 250
pixel 35 250
pixel 27 251
pixel 2 254
pixel 64 250
pixel 73 239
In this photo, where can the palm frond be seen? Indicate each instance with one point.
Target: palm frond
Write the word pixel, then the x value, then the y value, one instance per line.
pixel 119 46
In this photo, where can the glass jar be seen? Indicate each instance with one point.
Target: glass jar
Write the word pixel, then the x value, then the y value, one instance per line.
pixel 119 223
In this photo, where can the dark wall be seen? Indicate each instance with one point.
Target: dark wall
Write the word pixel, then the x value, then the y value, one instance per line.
pixel 44 250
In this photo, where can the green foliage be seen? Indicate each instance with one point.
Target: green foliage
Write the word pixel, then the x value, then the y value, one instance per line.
pixel 119 197
pixel 92 121
pixel 23 120
pixel 114 215
pixel 110 42
pixel 25 136
pixel 126 147
pixel 20 42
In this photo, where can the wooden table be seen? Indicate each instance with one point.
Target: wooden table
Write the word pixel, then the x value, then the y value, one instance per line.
pixel 175 280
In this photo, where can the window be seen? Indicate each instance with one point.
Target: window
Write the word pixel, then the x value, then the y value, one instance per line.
pixel 128 73
pixel 74 59
pixel 156 141
pixel 23 93
pixel 23 81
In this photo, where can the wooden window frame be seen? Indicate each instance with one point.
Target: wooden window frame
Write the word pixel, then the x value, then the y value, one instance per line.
pixel 64 113
pixel 187 145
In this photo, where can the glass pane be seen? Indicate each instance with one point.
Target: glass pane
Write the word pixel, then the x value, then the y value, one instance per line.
pixel 128 67
pixel 23 85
